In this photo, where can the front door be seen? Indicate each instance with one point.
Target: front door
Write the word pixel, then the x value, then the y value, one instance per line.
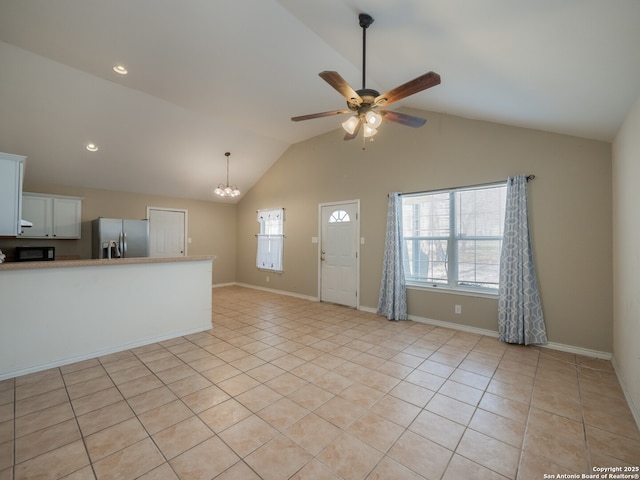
pixel 339 251
pixel 167 232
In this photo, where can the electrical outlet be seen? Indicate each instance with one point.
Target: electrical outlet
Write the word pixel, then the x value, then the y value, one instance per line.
pixel 458 309
pixel 267 278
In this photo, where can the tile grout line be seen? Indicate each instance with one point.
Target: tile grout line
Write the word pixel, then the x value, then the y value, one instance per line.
pixel 476 408
pixel 526 426
pixel 75 417
pixel 166 460
pixel 290 329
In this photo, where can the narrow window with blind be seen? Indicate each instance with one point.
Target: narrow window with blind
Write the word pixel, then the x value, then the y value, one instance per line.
pixel 452 238
pixel 270 239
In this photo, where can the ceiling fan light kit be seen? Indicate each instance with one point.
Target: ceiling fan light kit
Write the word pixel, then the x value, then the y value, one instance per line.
pixel 228 191
pixel 367 131
pixel 365 102
pixel 373 119
pixel 350 125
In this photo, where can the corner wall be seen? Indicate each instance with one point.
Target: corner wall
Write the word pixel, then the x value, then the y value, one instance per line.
pixel 570 213
pixel 626 259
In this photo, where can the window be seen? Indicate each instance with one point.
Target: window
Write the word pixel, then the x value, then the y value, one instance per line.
pixel 270 239
pixel 339 216
pixel 452 238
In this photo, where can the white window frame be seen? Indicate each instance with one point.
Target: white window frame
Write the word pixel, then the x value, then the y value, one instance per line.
pixel 452 240
pixel 270 249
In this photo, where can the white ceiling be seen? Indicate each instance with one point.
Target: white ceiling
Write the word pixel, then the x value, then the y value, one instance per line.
pixel 207 77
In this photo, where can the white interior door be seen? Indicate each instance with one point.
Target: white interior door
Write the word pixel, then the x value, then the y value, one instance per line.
pixel 339 251
pixel 167 232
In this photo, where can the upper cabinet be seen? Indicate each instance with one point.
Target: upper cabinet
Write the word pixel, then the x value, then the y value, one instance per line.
pixel 67 216
pixel 37 209
pixel 11 174
pixel 53 216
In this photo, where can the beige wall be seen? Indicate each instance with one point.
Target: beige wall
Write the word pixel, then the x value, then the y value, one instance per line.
pixel 570 212
pixel 211 225
pixel 626 241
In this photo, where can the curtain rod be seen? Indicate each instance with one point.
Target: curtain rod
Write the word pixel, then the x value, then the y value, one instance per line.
pixel 529 178
pixel 277 208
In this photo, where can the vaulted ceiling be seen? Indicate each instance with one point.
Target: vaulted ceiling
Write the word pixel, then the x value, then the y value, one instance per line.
pixel 206 77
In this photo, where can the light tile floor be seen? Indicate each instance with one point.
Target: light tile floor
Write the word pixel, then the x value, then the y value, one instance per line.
pixel 284 388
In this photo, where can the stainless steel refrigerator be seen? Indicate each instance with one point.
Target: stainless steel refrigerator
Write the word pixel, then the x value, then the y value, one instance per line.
pixel 119 238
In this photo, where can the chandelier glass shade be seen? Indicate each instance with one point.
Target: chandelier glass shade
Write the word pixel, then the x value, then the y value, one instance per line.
pixel 350 124
pixel 368 131
pixel 227 190
pixel 370 123
pixel 373 119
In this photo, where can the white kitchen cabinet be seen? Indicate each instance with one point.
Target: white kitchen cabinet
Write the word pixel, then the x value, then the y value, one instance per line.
pixel 67 215
pixel 53 216
pixel 11 175
pixel 37 209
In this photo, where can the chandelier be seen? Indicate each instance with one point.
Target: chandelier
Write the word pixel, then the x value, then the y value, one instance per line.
pixel 226 190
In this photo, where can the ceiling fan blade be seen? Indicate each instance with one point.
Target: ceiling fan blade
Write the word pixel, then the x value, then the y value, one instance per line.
pixel 403 118
pixel 319 115
pixel 351 136
pixel 340 84
pixel 416 85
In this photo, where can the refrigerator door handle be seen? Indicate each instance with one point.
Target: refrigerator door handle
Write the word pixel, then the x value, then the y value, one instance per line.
pixel 124 244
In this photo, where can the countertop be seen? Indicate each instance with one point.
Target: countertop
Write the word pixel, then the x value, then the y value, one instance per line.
pixel 98 262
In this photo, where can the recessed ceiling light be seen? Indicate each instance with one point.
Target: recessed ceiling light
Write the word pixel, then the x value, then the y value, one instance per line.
pixel 120 69
pixel 92 147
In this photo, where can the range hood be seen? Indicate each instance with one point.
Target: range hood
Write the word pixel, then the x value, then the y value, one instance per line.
pixel 26 224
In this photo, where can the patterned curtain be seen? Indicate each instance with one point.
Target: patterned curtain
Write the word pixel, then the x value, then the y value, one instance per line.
pixel 393 294
pixel 520 318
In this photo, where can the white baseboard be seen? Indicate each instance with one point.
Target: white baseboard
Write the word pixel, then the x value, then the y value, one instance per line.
pixel 635 409
pixel 587 352
pixel 368 309
pixel 454 326
pixel 101 353
pixel 465 328
pixel 279 292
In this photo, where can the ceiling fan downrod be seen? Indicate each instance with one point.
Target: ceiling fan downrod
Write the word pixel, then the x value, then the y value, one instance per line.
pixel 365 21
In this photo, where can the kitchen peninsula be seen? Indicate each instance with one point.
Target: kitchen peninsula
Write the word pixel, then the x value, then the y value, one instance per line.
pixel 58 312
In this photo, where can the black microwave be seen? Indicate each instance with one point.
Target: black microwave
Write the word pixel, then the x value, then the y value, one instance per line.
pixel 35 254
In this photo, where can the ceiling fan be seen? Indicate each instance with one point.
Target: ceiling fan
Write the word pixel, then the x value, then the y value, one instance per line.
pixel 364 103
